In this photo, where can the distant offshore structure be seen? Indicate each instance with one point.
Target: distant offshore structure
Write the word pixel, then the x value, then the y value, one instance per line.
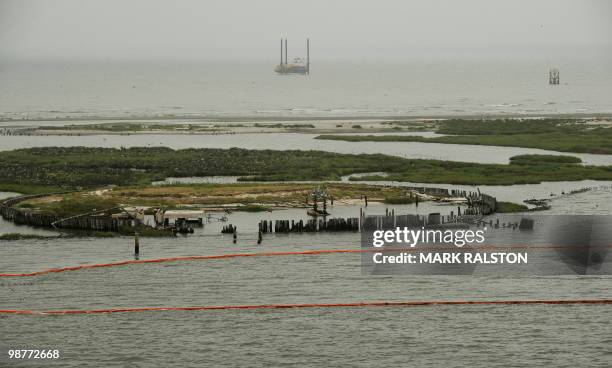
pixel 553 76
pixel 297 66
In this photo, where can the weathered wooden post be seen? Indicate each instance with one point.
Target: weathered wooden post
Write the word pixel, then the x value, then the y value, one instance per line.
pixel 136 244
pixel 366 200
pixel 259 237
pixel 360 218
pixel 235 234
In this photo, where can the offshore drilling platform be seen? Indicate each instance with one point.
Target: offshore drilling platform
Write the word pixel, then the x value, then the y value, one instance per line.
pixel 298 66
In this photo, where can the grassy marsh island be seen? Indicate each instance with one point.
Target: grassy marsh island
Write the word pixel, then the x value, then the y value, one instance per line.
pixel 48 169
pixel 251 197
pixel 93 167
pixel 564 135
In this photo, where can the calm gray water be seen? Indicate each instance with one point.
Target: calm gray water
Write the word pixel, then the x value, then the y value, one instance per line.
pixel 412 87
pixel 561 336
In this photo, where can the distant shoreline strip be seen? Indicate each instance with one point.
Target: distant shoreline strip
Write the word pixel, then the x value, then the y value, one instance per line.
pixel 309 305
pixel 268 254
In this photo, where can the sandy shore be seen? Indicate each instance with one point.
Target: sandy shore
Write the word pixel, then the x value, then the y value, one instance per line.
pixel 122 127
pixel 318 125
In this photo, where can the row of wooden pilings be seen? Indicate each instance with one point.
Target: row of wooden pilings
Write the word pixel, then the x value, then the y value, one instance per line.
pixel 95 223
pixel 228 229
pixel 16 131
pixel 478 203
pixel 24 216
pixel 87 222
pixel 380 222
pixel 311 225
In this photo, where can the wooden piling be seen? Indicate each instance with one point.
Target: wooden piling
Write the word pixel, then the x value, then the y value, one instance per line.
pixel 136 244
pixel 360 218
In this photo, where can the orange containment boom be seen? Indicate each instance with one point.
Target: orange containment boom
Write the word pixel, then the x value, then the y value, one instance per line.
pixel 310 305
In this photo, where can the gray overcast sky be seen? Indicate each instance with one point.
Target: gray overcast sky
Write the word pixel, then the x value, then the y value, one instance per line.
pixel 343 29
